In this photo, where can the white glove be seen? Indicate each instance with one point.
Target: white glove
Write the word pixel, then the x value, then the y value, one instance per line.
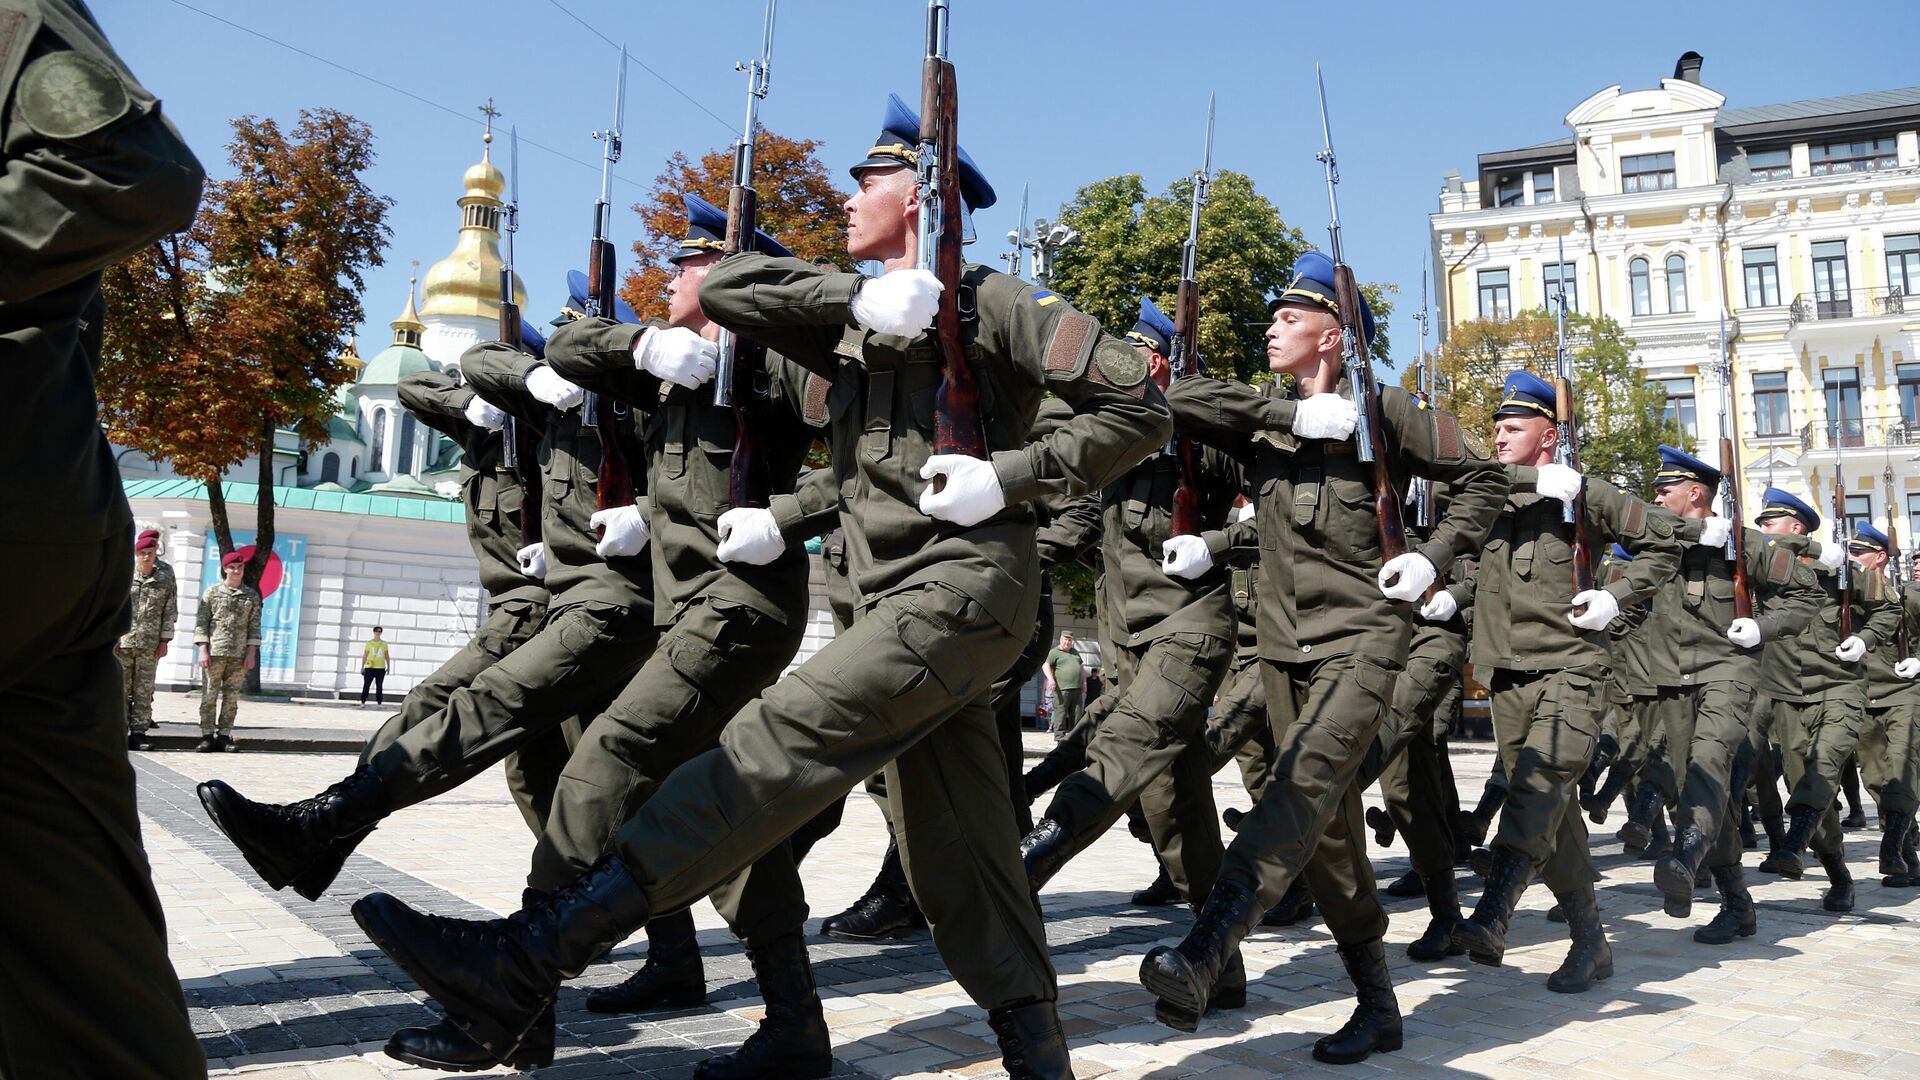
pixel 676 355
pixel 625 531
pixel 1908 668
pixel 484 414
pixel 1851 650
pixel 1245 513
pixel 1601 609
pixel 972 493
pixel 749 535
pixel 1406 577
pixel 1557 482
pixel 533 561
pixel 1832 555
pixel 1714 531
pixel 543 384
pixel 902 302
pixel 1185 557
pixel 1324 416
pixel 1441 608
pixel 1744 633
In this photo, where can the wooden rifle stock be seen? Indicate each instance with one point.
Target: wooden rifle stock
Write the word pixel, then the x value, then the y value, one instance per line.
pixel 1842 576
pixel 749 476
pixel 517 444
pixel 1366 396
pixel 1567 421
pixel 956 405
pixel 615 473
pixel 1736 538
pixel 1186 362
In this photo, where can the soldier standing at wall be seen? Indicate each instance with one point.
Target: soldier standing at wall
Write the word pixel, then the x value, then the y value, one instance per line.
pixel 155 606
pixel 227 630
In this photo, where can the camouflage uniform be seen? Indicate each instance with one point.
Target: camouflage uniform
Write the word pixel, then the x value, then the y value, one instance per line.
pixel 155 606
pixel 228 624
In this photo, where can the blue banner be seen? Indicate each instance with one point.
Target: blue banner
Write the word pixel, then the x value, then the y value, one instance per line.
pixel 280 589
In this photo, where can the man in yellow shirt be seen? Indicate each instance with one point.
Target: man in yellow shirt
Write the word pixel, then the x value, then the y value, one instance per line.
pixel 373 669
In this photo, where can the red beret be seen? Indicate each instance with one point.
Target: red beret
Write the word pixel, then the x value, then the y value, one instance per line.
pixel 148 538
pixel 231 558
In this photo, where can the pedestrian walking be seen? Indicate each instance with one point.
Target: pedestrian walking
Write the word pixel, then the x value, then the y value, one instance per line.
pixel 373 669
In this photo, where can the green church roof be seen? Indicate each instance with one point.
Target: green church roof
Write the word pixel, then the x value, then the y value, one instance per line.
pixel 394 363
pixel 334 502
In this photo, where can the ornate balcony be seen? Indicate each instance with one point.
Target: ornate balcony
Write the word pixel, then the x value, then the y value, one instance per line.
pixel 1852 304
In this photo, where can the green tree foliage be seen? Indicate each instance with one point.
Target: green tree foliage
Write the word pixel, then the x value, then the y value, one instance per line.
pixel 1622 415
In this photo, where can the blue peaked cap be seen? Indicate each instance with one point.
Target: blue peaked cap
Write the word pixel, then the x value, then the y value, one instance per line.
pixel 1620 554
pixel 532 342
pixel 1312 286
pixel 1154 329
pixel 577 299
pixel 1777 503
pixel 1527 394
pixel 707 232
pixel 1677 465
pixel 898 147
pixel 1868 538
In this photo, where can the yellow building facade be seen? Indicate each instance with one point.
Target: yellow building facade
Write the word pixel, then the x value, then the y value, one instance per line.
pixel 1796 227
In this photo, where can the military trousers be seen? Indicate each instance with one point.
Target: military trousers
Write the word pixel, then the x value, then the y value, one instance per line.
pixel 907 687
pixel 715 657
pixel 1308 824
pixel 1067 704
pixel 1766 760
pixel 1159 720
pixel 1706 730
pixel 533 770
pixel 1833 734
pixel 580 657
pixel 1888 761
pixel 1240 730
pixel 86 989
pixel 137 669
pixel 1546 723
pixel 1415 783
pixel 224 678
pixel 1793 727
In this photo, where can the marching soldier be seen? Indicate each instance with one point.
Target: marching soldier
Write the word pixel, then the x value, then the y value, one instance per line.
pixel 90 174
pixel 1334 624
pixel 1887 748
pixel 1631 693
pixel 155 607
pixel 227 630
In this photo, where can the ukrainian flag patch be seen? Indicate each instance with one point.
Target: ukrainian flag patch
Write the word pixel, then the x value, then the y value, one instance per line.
pixel 1044 297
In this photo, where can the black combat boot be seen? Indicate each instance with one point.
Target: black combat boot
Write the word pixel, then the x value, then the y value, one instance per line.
pixel 1483 935
pixel 1294 908
pixel 886 911
pixel 1443 904
pixel 1044 851
pixel 1675 875
pixel 1375 1023
pixel 1184 977
pixel 1749 833
pixel 1159 894
pixel 1382 826
pixel 281 842
pixel 314 881
pixel 137 740
pixel 1839 894
pixel 1736 918
pixel 1480 819
pixel 1850 784
pixel 1598 804
pixel 672 978
pixel 444 1046
pixel 1911 858
pixel 792 1038
pixel 1407 884
pixel 1231 817
pixel 1786 861
pixel 1893 832
pixel 1775 827
pixel 497 977
pixel 1591 958
pixel 1637 833
pixel 1032 1046
pixel 208 744
pixel 1062 761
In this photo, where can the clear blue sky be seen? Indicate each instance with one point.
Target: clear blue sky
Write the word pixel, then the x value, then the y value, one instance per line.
pixel 1055 94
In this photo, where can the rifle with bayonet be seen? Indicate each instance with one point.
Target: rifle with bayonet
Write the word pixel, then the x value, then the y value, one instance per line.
pixel 1893 567
pixel 1730 502
pixel 1369 433
pixel 956 405
pixel 517 439
pixel 1566 423
pixel 1840 538
pixel 742 362
pixel 596 410
pixel 1421 495
pixel 1185 360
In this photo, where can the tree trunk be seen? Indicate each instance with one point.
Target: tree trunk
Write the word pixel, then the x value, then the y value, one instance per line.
pixel 262 529
pixel 217 509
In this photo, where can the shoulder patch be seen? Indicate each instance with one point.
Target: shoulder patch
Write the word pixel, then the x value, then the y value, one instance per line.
pixel 66 95
pixel 1449 441
pixel 1042 297
pixel 1779 565
pixel 813 403
pixel 1121 365
pixel 1073 338
pixel 1636 516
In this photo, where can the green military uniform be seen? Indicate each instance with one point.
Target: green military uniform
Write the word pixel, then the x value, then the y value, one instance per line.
pixel 1631 694
pixel 1330 644
pixel 156 606
pixel 1068 686
pixel 227 627
pixel 943 610
pixel 1889 747
pixel 90 173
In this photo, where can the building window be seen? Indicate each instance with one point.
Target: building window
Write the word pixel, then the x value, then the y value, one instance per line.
pixel 1543 187
pixel 1496 298
pixel 330 469
pixel 1677 283
pixel 1557 276
pixel 1844 427
pixel 1913 525
pixel 1830 279
pixel 403 461
pixel 1771 415
pixel 1512 191
pixel 1909 375
pixel 1903 266
pixel 1680 406
pixel 1859 155
pixel 353 468
pixel 1639 279
pixel 1646 172
pixel 1763 277
pixel 1771 164
pixel 378 420
pixel 1859 512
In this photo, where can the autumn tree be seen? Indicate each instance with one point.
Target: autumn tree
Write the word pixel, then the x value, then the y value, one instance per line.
pixel 1130 245
pixel 797 203
pixel 220 336
pixel 1622 416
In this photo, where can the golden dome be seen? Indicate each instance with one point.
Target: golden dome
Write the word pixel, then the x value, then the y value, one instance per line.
pixel 408 327
pixel 483 180
pixel 467 281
